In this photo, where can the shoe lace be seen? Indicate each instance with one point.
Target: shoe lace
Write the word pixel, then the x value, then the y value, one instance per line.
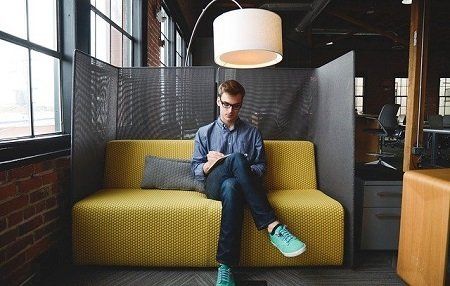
pixel 224 274
pixel 285 235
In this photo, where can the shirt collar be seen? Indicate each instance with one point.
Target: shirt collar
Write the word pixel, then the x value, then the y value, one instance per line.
pixel 222 125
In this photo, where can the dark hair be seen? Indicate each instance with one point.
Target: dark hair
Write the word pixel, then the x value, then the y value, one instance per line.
pixel 231 87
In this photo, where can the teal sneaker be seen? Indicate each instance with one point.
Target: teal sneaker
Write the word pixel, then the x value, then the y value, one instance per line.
pixel 224 276
pixel 287 243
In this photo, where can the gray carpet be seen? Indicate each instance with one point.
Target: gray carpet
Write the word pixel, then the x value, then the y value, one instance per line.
pixel 375 269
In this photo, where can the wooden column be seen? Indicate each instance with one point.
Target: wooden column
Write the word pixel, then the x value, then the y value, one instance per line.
pixel 418 49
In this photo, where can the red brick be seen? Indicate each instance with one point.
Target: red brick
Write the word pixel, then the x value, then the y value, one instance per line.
pixel 7 191
pixel 20 274
pixel 51 215
pixel 40 206
pixel 13 205
pixel 50 178
pixel 50 202
pixel 63 162
pixel 39 194
pixel 18 246
pixel 21 172
pixel 13 264
pixel 44 166
pixel 8 237
pixel 3 177
pixel 3 224
pixel 15 218
pixel 29 212
pixel 38 248
pixel 46 229
pixel 29 185
pixel 28 226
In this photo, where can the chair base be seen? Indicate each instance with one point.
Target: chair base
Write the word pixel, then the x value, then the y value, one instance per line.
pixel 382 163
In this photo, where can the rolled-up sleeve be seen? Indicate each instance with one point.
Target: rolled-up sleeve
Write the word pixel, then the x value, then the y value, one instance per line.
pixel 199 157
pixel 259 164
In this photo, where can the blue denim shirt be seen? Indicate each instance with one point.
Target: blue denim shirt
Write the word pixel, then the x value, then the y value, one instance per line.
pixel 244 138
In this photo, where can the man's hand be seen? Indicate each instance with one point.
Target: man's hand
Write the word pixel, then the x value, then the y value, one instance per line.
pixel 212 157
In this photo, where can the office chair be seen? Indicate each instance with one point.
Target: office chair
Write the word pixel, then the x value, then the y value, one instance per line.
pixel 436 121
pixel 387 120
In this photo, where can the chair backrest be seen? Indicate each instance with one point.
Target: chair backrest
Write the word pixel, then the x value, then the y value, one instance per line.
pixel 388 117
pixel 435 121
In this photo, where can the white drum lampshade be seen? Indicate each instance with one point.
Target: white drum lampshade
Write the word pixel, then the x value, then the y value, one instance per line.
pixel 248 38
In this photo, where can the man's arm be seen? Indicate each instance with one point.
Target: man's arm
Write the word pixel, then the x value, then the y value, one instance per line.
pixel 259 164
pixel 199 158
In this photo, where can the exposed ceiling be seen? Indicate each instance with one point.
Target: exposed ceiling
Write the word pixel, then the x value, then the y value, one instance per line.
pixel 339 24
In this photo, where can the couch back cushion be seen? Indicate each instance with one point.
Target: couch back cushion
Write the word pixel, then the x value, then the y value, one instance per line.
pixel 290 164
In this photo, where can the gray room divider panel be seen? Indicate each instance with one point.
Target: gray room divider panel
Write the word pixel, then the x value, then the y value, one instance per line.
pixel 332 131
pixel 94 107
pixel 164 103
pixel 277 101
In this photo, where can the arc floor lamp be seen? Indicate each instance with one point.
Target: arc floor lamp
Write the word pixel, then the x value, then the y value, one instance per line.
pixel 245 38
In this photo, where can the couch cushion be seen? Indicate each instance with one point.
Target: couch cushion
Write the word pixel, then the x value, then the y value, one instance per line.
pixel 172 174
pixel 172 228
pixel 290 164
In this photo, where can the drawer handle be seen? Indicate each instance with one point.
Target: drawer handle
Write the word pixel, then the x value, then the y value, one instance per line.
pixel 389 194
pixel 387 216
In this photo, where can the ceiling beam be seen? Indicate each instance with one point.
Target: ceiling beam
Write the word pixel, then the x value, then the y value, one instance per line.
pixel 287 6
pixel 368 27
pixel 316 8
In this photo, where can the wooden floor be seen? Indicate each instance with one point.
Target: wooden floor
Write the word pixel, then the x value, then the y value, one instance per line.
pixel 375 269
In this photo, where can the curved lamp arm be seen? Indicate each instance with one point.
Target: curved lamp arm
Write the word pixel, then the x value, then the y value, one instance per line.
pixel 196 23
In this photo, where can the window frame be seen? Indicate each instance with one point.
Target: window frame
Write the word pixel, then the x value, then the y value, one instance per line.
pixel 73 33
pixel 23 150
pixel 360 96
pixel 398 98
pixel 121 30
pixel 445 97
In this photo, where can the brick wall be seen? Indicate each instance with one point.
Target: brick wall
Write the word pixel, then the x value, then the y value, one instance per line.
pixel 153 33
pixel 33 214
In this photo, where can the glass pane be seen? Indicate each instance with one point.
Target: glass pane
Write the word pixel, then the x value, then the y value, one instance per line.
pixel 127 52
pixel 15 119
pixel 127 16
pixel 13 19
pixel 446 110
pixel 42 23
pixel 93 2
pixel 162 53
pixel 102 39
pixel 116 48
pixel 116 12
pixel 104 6
pixel 92 34
pixel 45 93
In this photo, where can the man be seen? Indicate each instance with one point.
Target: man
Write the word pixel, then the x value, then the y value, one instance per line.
pixel 236 180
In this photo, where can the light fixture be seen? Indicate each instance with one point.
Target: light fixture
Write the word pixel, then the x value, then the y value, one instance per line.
pixel 329 43
pixel 246 38
pixel 407 2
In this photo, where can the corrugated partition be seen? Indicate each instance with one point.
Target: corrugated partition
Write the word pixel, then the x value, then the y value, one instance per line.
pixel 94 108
pixel 172 103
pixel 164 103
pixel 332 131
pixel 277 101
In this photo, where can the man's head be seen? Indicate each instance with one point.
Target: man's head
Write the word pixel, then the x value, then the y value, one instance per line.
pixel 230 96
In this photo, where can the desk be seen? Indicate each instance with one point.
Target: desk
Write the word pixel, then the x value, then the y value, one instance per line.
pixel 364 141
pixel 424 227
pixel 434 141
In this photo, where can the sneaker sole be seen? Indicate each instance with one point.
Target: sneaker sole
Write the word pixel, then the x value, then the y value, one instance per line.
pixel 292 254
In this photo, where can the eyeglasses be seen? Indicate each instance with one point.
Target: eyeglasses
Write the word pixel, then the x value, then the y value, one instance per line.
pixel 227 105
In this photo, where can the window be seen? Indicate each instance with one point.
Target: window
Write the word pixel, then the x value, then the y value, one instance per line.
pixel 30 66
pixel 165 46
pixel 444 96
pixel 180 50
pixel 111 33
pixel 359 94
pixel 401 93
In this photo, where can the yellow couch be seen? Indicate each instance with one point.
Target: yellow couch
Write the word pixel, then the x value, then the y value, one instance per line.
pixel 125 225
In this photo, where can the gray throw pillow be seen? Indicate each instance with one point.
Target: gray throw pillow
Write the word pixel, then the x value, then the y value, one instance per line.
pixel 169 174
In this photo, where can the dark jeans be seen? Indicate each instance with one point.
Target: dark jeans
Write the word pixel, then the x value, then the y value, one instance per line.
pixel 234 184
